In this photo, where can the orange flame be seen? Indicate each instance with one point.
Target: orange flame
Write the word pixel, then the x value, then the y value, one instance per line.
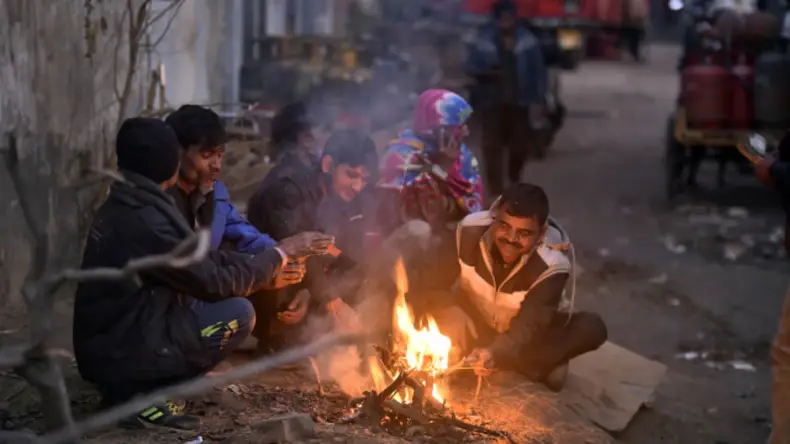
pixel 426 350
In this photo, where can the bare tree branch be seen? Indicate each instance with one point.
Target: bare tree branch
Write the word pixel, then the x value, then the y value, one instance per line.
pixel 175 7
pixel 190 251
pixel 191 388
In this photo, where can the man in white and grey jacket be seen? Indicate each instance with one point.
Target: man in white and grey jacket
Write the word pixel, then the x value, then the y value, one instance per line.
pixel 509 305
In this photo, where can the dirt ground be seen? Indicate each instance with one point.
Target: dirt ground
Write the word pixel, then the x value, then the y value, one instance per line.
pixel 696 285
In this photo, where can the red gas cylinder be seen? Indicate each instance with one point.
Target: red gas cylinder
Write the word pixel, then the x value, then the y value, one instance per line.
pixel 742 106
pixel 706 96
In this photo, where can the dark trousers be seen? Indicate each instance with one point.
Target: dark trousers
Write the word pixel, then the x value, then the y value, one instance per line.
pixel 561 341
pixel 224 325
pixel 506 132
pixel 632 38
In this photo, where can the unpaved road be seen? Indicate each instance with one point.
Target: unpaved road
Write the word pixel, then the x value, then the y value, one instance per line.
pixel 605 179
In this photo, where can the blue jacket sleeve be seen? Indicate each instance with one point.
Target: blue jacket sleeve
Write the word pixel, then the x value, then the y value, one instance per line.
pixel 247 238
pixel 534 74
pixel 475 62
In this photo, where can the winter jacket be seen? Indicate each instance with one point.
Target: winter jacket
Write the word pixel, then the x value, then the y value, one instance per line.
pixel 520 306
pixel 411 185
pixel 286 201
pixel 286 204
pixel 229 226
pixel 140 329
pixel 483 56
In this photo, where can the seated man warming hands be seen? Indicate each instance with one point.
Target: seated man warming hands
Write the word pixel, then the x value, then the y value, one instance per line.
pixel 510 306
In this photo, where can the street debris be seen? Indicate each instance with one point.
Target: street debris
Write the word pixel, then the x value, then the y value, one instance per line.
pixel 660 279
pixel 728 234
pixel 710 362
pixel 291 427
pixel 673 246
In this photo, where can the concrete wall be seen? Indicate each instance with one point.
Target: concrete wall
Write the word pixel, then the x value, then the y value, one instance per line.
pixel 58 116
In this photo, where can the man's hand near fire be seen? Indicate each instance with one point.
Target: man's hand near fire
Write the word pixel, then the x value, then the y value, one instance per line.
pixel 291 273
pixel 297 309
pixel 482 359
pixel 310 243
pixel 346 318
pixel 295 250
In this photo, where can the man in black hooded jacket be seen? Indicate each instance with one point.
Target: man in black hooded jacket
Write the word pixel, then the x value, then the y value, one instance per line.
pixel 136 335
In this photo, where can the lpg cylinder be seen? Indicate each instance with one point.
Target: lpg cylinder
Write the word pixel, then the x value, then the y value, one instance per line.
pixel 772 90
pixel 742 106
pixel 705 95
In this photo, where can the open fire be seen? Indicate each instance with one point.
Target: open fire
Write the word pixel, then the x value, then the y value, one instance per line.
pixel 421 353
pixel 409 378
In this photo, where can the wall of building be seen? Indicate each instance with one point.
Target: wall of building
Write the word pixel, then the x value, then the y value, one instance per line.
pixel 200 51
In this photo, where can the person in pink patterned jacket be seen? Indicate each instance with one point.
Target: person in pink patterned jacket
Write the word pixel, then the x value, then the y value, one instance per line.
pixel 428 172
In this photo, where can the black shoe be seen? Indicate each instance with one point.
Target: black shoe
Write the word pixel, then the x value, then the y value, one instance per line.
pixel 166 415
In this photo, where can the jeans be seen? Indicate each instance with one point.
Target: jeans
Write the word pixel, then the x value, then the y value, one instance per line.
pixel 780 383
pixel 224 325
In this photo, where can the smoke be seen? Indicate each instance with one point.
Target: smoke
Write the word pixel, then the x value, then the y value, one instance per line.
pixel 347 366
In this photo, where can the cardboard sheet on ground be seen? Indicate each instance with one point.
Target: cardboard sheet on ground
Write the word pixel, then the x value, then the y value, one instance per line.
pixel 526 410
pixel 609 385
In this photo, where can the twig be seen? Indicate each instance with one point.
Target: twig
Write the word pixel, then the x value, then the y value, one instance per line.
pixel 317 374
pixel 180 257
pixel 192 388
pixel 190 251
pixel 479 386
pixel 478 429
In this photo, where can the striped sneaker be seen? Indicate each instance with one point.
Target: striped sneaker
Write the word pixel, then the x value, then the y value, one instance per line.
pixel 167 415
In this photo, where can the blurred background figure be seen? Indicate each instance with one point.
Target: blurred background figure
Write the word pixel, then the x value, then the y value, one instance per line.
pixel 509 92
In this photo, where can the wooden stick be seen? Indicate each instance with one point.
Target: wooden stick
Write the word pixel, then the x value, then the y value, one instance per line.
pixel 317 373
pixel 479 386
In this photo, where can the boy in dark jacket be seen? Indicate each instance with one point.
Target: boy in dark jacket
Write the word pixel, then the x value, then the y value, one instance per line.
pixel 142 333
pixel 325 195
pixel 201 197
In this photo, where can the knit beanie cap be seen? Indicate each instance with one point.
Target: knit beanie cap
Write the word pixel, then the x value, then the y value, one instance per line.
pixel 148 147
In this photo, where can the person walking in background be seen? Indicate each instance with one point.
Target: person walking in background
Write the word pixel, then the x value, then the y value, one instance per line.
pixel 776 172
pixel 636 20
pixel 510 93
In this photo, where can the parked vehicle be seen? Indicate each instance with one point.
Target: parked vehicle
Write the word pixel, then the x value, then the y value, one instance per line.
pixel 732 90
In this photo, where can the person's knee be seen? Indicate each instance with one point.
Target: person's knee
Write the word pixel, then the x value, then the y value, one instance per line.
pixel 242 313
pixel 593 329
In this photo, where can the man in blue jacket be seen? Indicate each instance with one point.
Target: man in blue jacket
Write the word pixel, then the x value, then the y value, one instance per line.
pixel 200 196
pixel 507 63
